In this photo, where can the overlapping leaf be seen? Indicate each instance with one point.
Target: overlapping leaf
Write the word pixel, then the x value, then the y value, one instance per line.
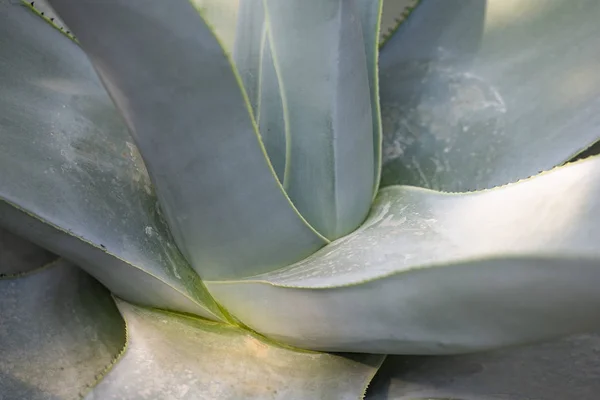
pixel 477 94
pixel 170 356
pixel 267 82
pixel 319 55
pixel 176 88
pixel 72 179
pixel 59 331
pixel 61 335
pixel 435 273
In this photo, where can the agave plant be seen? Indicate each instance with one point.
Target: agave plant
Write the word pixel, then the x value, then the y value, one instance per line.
pixel 264 199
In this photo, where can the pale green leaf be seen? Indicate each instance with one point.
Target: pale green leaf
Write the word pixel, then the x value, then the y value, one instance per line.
pixel 72 180
pixel 182 101
pixel 319 54
pixel 476 94
pixel 558 370
pixel 18 256
pixel 59 331
pixel 171 356
pixel 437 273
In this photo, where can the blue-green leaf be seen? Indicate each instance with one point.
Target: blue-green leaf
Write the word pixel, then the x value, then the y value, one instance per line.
pixel 191 120
pixel 59 331
pixel 319 54
pixel 262 80
pixel 172 356
pixel 556 370
pixel 72 180
pixel 437 273
pixel 476 94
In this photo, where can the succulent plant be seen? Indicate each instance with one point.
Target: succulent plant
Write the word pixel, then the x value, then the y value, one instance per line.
pixel 264 199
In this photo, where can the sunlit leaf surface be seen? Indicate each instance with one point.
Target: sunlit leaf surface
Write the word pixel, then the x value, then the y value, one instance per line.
pixel 171 356
pixel 436 273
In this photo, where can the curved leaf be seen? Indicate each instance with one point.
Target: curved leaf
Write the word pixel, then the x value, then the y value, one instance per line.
pixel 563 369
pixel 254 59
pixel 477 94
pixel 435 273
pixel 72 181
pixel 183 104
pixel 319 53
pixel 18 256
pixel 176 357
pixel 59 331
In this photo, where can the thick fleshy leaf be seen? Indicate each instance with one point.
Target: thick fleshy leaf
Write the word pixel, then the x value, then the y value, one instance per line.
pixel 559 370
pixel 190 118
pixel 18 256
pixel 170 356
pixel 437 273
pixel 476 94
pixel 254 60
pixel 72 180
pixel 319 54
pixel 59 331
